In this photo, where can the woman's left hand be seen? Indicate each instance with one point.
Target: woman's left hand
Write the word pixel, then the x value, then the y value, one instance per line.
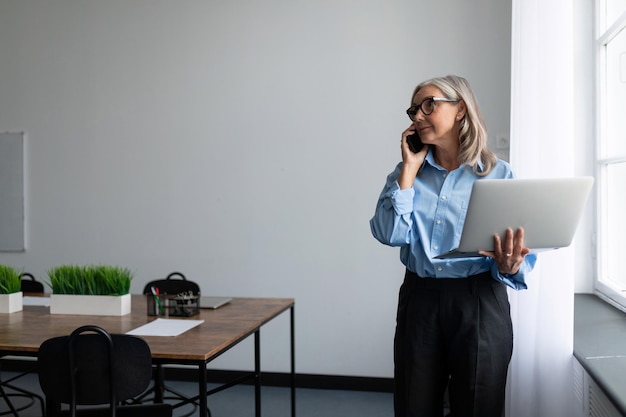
pixel 508 253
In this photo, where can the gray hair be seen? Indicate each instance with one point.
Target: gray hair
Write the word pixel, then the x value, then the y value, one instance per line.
pixel 473 129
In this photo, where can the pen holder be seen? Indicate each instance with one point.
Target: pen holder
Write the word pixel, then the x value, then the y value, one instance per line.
pixel 157 304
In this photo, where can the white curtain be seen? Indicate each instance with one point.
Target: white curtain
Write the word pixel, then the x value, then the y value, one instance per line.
pixel 540 375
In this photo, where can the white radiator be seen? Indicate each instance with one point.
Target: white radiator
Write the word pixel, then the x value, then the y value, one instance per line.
pixel 591 401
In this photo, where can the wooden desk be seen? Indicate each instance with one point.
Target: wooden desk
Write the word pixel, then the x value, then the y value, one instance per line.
pixel 23 332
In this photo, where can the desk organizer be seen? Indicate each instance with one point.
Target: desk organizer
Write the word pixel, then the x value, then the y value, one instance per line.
pixel 184 305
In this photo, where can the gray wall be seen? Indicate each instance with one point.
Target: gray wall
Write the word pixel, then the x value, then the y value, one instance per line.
pixel 243 143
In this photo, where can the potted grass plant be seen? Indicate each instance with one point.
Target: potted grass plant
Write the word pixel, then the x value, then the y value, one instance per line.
pixel 10 289
pixel 102 290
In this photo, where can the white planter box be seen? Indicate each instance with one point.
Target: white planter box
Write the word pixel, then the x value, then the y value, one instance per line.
pixel 10 303
pixel 93 305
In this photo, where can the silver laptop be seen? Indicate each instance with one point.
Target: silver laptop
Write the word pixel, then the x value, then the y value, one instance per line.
pixel 549 210
pixel 213 302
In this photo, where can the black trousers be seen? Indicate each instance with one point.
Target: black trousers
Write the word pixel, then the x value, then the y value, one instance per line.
pixel 455 334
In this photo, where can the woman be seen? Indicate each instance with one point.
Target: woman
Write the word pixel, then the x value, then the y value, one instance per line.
pixel 453 325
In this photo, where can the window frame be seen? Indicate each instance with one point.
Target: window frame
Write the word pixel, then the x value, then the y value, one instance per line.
pixel 604 32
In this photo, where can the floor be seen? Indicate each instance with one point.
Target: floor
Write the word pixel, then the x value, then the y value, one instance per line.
pixel 275 402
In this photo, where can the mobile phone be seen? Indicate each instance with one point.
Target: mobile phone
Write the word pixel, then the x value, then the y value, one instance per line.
pixel 415 143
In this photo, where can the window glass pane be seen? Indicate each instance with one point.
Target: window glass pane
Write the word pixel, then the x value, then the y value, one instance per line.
pixel 615 209
pixel 614 9
pixel 615 135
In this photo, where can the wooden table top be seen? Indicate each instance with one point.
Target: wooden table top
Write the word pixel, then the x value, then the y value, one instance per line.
pixel 23 332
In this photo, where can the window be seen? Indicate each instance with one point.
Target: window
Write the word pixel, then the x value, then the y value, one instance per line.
pixel 611 148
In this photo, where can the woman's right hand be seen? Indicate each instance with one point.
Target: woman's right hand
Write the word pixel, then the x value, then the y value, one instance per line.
pixel 411 161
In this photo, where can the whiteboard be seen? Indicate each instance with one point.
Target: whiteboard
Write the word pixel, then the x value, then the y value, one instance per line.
pixel 12 192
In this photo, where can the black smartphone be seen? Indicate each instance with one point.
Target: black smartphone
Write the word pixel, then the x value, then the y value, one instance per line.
pixel 415 143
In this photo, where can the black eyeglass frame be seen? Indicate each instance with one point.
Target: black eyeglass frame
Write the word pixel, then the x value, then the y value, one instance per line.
pixel 412 111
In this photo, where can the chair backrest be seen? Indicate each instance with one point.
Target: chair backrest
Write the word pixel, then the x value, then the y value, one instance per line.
pixel 30 284
pixel 91 367
pixel 172 286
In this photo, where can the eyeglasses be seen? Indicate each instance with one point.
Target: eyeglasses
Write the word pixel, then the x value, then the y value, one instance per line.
pixel 427 106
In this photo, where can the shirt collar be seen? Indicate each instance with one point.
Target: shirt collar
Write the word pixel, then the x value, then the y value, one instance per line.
pixel 430 158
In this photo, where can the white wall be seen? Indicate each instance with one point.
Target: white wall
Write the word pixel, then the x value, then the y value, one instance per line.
pixel 243 143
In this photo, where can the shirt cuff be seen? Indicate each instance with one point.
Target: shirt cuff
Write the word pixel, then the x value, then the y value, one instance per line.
pixel 402 200
pixel 516 281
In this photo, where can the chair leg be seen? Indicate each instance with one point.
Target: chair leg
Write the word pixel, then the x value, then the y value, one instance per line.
pixel 12 409
pixel 20 393
pixel 29 394
pixel 159 390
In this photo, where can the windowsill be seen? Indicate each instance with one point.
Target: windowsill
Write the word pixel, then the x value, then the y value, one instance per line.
pixel 600 345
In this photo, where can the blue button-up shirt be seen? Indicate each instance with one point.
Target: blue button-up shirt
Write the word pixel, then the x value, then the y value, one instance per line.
pixel 427 220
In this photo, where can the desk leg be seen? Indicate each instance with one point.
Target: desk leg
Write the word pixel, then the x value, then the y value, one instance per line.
pixel 202 391
pixel 159 377
pixel 53 408
pixel 293 362
pixel 257 372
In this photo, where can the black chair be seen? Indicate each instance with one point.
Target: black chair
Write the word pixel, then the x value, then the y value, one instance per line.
pixel 30 284
pixel 91 367
pixel 169 286
pixel 7 388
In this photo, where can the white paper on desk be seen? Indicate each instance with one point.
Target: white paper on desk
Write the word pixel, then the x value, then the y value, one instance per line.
pixel 29 300
pixel 165 327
